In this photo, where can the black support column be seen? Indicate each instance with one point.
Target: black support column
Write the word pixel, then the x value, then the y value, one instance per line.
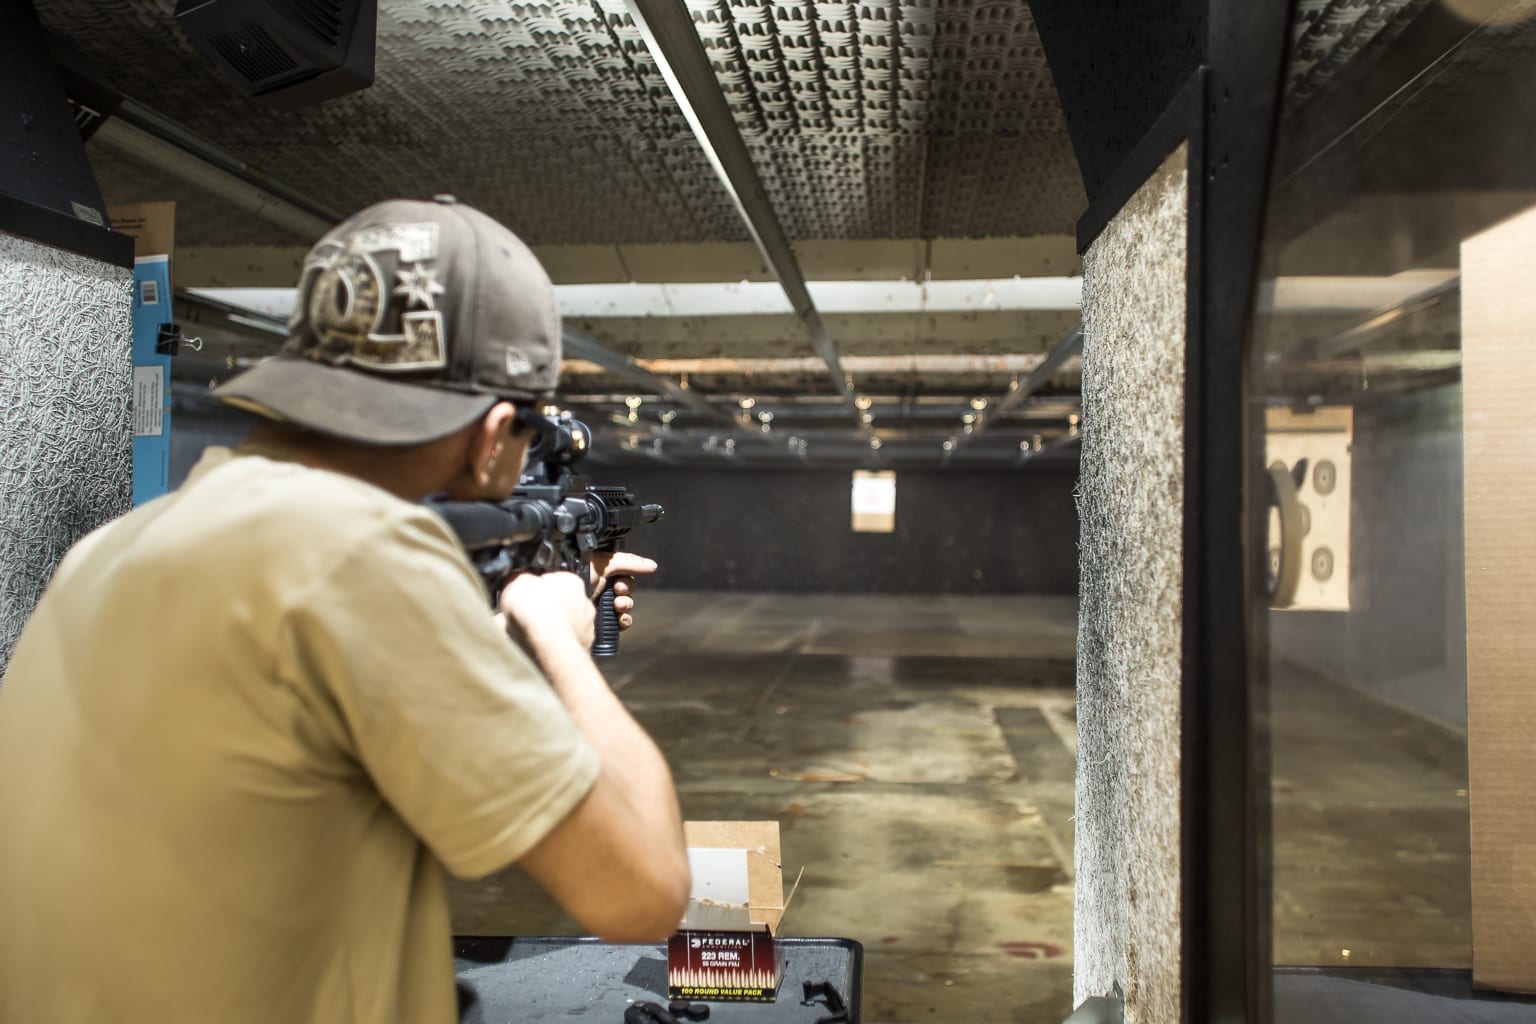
pixel 48 192
pixel 1136 81
pixel 1227 896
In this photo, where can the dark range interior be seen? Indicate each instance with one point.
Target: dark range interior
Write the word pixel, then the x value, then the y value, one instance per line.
pixel 798 241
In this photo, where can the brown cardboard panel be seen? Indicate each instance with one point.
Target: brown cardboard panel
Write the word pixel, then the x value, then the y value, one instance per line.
pixel 765 870
pixel 152 225
pixel 1498 308
pixel 1324 419
pixel 874 522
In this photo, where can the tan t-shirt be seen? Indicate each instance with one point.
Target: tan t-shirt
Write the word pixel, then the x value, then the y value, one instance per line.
pixel 243 730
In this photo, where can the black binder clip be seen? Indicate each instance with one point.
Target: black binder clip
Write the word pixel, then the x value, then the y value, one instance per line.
pixel 168 340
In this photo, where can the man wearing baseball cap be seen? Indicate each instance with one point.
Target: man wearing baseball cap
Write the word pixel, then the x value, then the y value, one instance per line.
pixel 250 723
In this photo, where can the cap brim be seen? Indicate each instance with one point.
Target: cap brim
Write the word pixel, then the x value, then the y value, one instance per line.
pixel 351 404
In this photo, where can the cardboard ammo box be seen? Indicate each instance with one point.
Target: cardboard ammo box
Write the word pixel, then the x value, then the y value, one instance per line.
pixel 726 950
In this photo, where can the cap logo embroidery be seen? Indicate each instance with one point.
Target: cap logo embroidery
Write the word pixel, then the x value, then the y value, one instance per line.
pixel 418 285
pixel 518 363
pixel 350 315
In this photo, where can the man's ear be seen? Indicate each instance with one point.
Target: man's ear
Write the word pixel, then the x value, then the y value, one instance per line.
pixel 490 436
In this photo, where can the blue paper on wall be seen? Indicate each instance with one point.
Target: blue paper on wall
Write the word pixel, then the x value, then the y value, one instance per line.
pixel 151 378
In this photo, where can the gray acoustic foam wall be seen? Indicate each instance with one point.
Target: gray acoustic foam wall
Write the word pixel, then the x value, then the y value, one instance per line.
pixel 66 447
pixel 1130 501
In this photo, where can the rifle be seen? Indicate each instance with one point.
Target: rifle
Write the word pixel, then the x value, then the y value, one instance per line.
pixel 554 521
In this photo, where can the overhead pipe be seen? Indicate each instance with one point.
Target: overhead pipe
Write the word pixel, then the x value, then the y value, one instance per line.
pixel 148 136
pixel 153 139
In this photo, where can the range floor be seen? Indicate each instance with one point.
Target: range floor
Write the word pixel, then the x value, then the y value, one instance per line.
pixel 1371 830
pixel 918 755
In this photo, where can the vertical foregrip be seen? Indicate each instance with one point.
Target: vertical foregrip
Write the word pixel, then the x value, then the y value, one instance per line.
pixel 605 642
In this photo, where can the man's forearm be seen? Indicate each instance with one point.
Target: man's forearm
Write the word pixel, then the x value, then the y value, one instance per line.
pixel 602 718
pixel 617 862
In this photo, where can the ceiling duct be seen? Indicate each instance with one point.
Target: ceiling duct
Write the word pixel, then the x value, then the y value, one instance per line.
pixel 290 53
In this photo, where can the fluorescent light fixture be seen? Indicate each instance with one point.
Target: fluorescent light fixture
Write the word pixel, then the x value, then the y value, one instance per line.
pixel 265 326
pixel 1348 294
pixel 806 365
pixel 272 302
pixel 766 298
pixel 758 298
pixel 1019 294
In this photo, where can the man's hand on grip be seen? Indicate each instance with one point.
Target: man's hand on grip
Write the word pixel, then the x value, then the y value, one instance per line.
pixel 618 569
pixel 544 607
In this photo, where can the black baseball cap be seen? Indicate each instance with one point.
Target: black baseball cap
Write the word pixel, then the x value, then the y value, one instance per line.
pixel 413 319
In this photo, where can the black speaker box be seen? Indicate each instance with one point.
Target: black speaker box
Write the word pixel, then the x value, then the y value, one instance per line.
pixel 290 53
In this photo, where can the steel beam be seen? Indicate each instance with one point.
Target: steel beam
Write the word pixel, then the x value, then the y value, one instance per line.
pixel 578 346
pixel 1363 334
pixel 1070 345
pixel 669 34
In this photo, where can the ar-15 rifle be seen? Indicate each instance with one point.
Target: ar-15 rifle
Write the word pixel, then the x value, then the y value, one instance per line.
pixel 553 522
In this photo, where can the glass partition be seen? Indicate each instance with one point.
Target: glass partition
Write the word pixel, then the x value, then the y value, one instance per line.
pixel 1389 375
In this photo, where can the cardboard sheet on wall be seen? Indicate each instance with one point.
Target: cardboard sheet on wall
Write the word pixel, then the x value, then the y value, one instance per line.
pixel 1498 307
pixel 152 225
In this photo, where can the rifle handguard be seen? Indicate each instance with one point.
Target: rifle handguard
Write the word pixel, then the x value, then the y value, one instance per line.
pixel 552 522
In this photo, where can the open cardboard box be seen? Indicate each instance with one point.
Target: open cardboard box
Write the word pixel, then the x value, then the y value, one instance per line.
pixel 726 950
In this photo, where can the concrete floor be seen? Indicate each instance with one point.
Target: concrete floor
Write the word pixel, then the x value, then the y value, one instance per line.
pixel 1372 854
pixel 918 755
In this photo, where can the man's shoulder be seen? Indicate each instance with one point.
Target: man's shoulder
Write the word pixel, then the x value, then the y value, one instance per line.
pixel 235 482
pixel 296 507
